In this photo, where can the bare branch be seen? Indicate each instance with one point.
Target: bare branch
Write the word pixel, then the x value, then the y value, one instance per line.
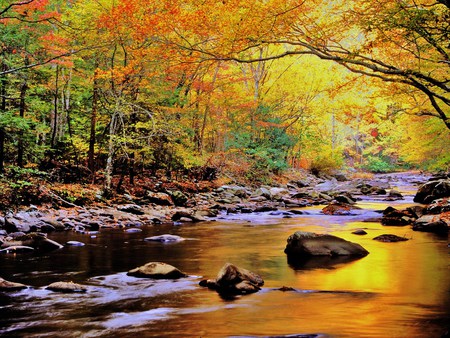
pixel 15 4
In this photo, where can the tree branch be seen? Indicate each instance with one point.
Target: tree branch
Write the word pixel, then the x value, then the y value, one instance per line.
pixel 15 4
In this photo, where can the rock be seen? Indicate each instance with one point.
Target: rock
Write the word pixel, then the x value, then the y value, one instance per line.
pixel 11 286
pixel 277 194
pixel 392 216
pixel 289 202
pixel 35 240
pixel 438 206
pixel 159 198
pixel 344 199
pixel 131 208
pixel 13 225
pixel 431 223
pixel 66 287
pixel 340 177
pixel 94 225
pixel 262 192
pixel 156 270
pixel 390 238
pixel 395 193
pixel 302 183
pixel 166 238
pixel 367 189
pixel 301 244
pixel 286 288
pixel 58 226
pixel 179 198
pixel 257 199
pixel 236 190
pixel 74 243
pixel 187 216
pixel 265 208
pixel 340 209
pixel 133 230
pixel 432 190
pixel 416 211
pixel 329 185
pixel 359 232
pixel 232 280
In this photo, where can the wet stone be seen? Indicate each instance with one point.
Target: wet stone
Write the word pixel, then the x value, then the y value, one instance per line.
pixel 388 238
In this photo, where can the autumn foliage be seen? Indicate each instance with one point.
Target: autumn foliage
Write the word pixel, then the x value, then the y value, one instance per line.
pixel 249 88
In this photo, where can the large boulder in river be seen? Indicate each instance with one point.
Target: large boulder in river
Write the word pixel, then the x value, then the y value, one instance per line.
pixel 431 223
pixel 306 244
pixel 432 190
pixel 156 270
pixel 232 280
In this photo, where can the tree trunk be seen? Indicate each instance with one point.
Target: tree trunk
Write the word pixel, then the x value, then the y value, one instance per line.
pixel 3 84
pixel 20 146
pixel 55 111
pixel 91 152
pixel 111 151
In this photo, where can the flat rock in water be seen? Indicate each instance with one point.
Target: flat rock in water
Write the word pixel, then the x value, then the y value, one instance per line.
pixel 133 230
pixel 305 244
pixel 66 287
pixel 388 238
pixel 11 286
pixel 75 243
pixel 156 270
pixel 340 209
pixel 165 238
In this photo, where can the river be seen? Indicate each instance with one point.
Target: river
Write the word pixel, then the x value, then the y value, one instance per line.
pixel 399 290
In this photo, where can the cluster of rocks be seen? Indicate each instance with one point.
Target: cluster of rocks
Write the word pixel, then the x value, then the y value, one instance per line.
pixel 231 280
pixel 64 287
pixel 432 216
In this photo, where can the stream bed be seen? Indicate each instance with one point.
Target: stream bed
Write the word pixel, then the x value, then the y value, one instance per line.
pixel 399 290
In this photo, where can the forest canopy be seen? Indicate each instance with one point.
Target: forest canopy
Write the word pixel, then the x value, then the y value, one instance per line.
pixel 249 87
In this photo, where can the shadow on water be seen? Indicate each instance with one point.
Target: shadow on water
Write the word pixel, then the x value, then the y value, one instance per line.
pixel 319 262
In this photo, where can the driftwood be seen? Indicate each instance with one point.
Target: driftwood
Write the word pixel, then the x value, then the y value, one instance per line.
pixel 60 199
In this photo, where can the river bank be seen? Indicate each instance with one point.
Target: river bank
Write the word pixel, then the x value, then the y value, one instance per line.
pixel 208 202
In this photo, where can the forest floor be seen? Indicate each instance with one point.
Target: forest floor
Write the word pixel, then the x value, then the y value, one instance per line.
pixel 30 187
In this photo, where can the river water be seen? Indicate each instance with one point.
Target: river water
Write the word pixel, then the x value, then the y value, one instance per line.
pixel 399 290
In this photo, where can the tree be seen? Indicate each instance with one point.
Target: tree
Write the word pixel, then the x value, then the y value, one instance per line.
pixel 402 43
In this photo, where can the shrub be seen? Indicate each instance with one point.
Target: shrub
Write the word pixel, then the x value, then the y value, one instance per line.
pixel 326 162
pixel 379 164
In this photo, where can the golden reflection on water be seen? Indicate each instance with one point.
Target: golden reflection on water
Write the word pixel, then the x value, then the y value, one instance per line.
pixel 380 295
